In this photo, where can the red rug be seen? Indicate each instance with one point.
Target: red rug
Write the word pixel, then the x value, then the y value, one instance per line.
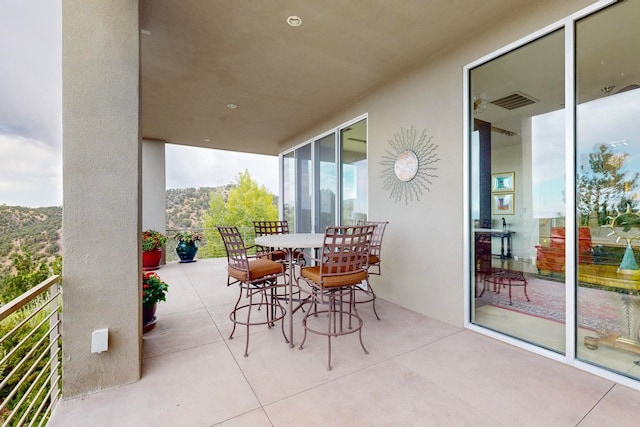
pixel 597 309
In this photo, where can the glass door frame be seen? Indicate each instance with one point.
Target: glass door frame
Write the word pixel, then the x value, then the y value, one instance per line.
pixel 569 357
pixel 337 131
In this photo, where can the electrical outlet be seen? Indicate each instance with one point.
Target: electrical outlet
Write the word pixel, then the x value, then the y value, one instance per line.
pixel 100 340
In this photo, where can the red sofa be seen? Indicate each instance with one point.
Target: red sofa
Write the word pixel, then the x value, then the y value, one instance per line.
pixel 550 259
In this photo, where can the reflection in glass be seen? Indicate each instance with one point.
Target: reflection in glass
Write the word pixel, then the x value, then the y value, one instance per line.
pixel 327 184
pixel 289 189
pixel 314 180
pixel 304 193
pixel 517 103
pixel 354 173
pixel 608 187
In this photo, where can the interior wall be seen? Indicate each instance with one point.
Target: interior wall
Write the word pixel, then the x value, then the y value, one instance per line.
pixel 101 197
pixel 423 248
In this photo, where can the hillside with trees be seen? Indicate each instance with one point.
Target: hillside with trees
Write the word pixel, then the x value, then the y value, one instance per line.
pixel 31 238
pixel 35 231
pixel 186 206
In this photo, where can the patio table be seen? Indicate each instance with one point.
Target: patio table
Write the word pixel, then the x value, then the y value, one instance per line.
pixel 289 242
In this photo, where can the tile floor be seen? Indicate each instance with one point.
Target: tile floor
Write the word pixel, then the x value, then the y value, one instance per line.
pixel 419 372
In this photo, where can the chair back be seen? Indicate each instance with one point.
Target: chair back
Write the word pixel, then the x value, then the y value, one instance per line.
pixel 375 250
pixel 345 250
pixel 234 245
pixel 265 228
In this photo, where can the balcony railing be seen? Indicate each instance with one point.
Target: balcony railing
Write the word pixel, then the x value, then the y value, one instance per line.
pixel 30 368
pixel 211 245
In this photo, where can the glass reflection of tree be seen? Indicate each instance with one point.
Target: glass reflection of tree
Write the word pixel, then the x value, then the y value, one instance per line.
pixel 604 187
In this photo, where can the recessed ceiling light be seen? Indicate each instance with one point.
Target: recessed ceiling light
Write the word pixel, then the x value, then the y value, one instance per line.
pixel 145 32
pixel 206 140
pixel 232 106
pixel 294 21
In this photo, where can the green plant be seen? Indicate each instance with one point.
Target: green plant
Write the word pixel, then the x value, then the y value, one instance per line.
pixel 152 240
pixel 187 236
pixel 153 289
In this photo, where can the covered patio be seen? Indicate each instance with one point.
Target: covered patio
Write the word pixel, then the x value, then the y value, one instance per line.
pixel 419 371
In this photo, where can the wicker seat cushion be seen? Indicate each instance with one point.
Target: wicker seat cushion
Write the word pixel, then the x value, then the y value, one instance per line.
pixel 257 268
pixel 313 273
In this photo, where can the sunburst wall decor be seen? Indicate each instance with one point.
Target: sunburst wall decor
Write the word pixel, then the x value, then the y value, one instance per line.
pixel 409 165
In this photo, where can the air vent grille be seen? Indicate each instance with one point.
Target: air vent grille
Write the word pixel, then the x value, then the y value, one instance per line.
pixel 515 100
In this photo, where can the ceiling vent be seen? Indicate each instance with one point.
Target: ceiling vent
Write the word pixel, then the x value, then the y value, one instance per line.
pixel 515 100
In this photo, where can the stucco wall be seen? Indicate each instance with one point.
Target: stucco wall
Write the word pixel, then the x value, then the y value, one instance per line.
pixel 101 170
pixel 423 249
pixel 154 194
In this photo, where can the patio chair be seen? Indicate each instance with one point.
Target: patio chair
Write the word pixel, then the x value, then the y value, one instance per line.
pixel 504 277
pixel 257 279
pixel 375 258
pixel 342 266
pixel 265 228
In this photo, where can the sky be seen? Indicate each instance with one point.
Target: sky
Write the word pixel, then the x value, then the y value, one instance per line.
pixel 31 118
pixel 202 167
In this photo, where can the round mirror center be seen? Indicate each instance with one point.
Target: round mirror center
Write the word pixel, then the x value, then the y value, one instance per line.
pixel 406 166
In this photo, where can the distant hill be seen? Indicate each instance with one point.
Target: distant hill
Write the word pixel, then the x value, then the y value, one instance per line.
pixel 35 230
pixel 186 206
pixel 39 230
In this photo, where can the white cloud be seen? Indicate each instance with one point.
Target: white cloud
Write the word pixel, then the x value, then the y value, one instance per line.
pixel 31 118
pixel 202 167
pixel 31 69
pixel 31 103
pixel 31 172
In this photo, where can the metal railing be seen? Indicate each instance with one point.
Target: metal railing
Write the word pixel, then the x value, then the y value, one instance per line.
pixel 210 246
pixel 30 368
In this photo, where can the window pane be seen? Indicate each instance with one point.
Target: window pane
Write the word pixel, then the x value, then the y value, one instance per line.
pixel 517 172
pixel 327 184
pixel 608 187
pixel 289 196
pixel 355 180
pixel 304 189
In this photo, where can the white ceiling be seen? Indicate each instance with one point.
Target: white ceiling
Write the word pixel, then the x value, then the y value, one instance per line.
pixel 197 56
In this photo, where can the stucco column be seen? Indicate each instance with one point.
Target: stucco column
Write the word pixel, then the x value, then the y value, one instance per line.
pixel 154 192
pixel 101 201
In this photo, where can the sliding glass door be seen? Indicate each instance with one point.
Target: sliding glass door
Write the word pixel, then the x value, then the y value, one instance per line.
pixel 355 181
pixel 325 181
pixel 517 186
pixel 608 187
pixel 535 265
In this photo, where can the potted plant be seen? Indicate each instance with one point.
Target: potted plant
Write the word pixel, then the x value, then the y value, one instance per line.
pixel 152 243
pixel 154 290
pixel 186 246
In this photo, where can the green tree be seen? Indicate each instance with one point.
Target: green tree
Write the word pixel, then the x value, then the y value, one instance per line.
pixel 28 273
pixel 604 186
pixel 249 202
pixel 246 202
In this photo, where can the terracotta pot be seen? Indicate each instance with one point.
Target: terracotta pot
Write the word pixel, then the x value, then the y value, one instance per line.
pixel 151 259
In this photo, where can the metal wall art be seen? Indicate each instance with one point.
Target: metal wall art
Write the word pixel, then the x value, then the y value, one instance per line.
pixel 409 165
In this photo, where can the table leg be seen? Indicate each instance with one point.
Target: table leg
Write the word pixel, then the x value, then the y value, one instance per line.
pixel 290 258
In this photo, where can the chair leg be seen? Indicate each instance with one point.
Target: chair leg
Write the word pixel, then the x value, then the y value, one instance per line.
pixel 232 315
pixel 340 303
pixel 372 297
pixel 246 347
